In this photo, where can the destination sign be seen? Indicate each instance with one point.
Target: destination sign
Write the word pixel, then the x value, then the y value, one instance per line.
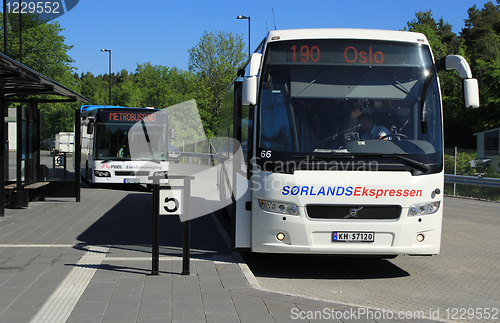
pixel 129 116
pixel 348 52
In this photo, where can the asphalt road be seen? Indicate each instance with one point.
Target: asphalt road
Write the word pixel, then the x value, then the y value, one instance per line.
pixel 460 284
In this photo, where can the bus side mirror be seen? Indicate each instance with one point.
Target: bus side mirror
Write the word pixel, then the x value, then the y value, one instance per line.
pixel 249 91
pixel 459 64
pixel 471 93
pixel 90 126
pixel 171 133
pixel 470 85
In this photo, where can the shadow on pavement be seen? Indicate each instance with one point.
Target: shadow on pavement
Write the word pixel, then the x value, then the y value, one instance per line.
pixel 322 267
pixel 128 226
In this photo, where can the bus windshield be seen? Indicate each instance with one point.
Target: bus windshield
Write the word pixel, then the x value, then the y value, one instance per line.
pixel 117 131
pixel 331 97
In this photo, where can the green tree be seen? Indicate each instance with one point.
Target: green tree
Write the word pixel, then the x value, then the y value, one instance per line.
pixel 163 86
pixel 481 32
pixel 426 24
pixel 459 123
pixel 125 91
pixel 481 37
pixel 93 88
pixel 215 60
pixel 43 50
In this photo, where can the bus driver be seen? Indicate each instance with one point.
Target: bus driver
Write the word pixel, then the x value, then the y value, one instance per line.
pixel 370 130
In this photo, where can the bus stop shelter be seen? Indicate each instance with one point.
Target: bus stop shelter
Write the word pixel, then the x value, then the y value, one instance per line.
pixel 21 84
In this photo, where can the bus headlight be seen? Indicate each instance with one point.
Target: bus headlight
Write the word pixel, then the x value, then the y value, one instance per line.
pixel 279 207
pixel 102 173
pixel 423 209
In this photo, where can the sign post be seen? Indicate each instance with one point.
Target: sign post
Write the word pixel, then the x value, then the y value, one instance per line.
pixel 186 230
pixel 171 201
pixel 155 244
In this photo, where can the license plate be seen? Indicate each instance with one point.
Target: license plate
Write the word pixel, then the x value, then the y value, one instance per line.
pixel 353 236
pixel 132 181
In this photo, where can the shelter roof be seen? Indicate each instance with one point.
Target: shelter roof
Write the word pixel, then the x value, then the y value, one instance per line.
pixel 17 79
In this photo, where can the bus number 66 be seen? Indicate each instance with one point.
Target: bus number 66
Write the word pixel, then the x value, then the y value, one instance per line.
pixel 265 154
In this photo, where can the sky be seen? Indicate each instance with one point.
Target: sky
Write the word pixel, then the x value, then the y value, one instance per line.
pixel 162 31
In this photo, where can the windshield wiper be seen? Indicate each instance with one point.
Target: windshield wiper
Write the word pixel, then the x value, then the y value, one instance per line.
pixel 149 142
pixel 342 151
pixel 403 89
pixel 331 154
pixel 412 162
pixel 346 155
pixel 111 159
pixel 312 82
pixel 154 160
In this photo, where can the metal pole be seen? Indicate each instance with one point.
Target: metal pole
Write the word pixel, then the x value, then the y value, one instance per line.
pixel 455 173
pixel 186 228
pixel 5 149
pixel 110 77
pixel 5 27
pixel 20 144
pixel 64 166
pixel 109 96
pixel 244 17
pixel 36 140
pixel 77 154
pixel 54 155
pixel 155 267
pixel 20 34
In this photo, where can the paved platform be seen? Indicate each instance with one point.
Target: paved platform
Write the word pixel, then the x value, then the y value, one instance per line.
pixel 62 261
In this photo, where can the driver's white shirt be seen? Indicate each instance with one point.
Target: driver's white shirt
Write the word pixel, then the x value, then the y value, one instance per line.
pixel 377 132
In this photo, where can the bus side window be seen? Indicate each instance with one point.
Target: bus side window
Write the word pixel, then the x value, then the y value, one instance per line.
pixel 274 122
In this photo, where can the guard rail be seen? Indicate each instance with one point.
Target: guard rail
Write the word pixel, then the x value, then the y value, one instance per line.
pixel 472 180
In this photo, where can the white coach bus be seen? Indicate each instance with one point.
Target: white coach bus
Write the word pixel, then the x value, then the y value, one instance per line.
pixel 342 139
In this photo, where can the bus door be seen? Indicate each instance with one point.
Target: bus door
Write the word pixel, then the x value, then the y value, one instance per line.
pixel 243 133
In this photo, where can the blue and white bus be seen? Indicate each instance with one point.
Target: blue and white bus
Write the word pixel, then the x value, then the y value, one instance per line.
pixel 123 144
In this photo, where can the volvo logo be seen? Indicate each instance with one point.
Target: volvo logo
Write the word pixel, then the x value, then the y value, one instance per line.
pixel 353 213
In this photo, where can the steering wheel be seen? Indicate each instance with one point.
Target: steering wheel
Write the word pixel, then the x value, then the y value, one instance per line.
pixel 398 135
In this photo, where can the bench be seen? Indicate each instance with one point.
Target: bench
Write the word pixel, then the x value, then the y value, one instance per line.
pixel 32 186
pixel 20 198
pixel 36 185
pixel 11 186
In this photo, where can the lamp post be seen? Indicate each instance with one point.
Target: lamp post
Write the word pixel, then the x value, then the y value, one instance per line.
pixel 109 50
pixel 244 17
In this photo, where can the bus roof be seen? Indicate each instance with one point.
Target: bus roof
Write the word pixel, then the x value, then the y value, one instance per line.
pixel 95 107
pixel 346 33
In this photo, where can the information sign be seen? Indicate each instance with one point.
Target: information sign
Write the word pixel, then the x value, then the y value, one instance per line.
pixel 171 202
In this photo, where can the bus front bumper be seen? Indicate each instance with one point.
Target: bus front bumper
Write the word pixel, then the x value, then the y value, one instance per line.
pixel 411 236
